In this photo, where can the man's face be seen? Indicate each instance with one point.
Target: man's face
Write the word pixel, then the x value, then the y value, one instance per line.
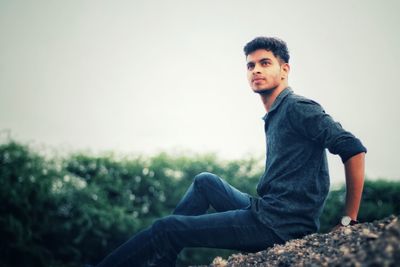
pixel 264 71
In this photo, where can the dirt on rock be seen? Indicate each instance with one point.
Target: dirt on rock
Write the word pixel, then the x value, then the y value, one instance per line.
pixel 365 244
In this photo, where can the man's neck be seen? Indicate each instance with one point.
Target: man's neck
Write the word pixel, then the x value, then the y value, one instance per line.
pixel 269 99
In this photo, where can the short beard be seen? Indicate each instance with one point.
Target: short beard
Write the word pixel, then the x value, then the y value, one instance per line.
pixel 265 92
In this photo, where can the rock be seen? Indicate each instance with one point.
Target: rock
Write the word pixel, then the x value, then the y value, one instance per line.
pixel 347 230
pixel 366 244
pixel 219 262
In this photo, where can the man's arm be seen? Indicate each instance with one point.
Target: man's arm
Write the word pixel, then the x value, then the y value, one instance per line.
pixel 354 170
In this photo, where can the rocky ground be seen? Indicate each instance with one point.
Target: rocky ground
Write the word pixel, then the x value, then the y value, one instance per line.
pixel 366 244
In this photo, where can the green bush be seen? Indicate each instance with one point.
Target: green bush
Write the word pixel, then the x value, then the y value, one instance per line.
pixel 74 210
pixel 380 198
pixel 69 211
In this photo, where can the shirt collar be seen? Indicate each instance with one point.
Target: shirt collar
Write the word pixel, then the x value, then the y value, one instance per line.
pixel 279 100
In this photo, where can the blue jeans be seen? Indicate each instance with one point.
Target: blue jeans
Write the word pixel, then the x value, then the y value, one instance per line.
pixel 233 226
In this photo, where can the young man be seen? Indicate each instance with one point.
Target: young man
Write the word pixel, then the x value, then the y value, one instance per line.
pixel 291 191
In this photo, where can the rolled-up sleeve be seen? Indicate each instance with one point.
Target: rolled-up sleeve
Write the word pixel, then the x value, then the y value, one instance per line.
pixel 310 120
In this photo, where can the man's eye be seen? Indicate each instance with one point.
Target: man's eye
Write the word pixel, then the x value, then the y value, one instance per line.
pixel 250 66
pixel 264 63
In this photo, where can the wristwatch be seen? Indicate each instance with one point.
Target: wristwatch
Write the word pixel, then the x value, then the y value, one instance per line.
pixel 346 221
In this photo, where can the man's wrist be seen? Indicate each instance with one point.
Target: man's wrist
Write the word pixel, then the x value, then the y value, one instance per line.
pixel 347 221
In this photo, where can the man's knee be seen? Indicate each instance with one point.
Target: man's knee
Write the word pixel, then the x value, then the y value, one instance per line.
pixel 164 225
pixel 205 178
pixel 159 226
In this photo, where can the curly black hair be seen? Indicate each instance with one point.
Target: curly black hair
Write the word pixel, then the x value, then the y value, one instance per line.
pixel 277 46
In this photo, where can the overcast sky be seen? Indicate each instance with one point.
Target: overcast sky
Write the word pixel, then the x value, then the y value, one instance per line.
pixel 148 76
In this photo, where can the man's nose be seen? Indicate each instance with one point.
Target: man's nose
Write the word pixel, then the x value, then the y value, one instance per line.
pixel 256 69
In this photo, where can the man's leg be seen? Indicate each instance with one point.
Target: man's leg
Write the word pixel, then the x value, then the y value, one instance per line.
pixel 208 190
pixel 159 244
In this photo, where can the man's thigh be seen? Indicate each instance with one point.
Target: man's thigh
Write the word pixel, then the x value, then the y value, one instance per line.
pixel 236 229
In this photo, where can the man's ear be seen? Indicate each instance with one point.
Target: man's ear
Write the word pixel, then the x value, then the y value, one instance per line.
pixel 285 70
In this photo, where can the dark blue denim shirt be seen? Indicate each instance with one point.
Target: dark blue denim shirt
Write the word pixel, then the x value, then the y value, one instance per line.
pixel 295 183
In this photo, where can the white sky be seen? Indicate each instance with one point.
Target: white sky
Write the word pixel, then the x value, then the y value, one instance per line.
pixel 149 76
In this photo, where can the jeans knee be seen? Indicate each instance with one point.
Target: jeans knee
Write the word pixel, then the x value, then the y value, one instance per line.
pixel 205 178
pixel 159 227
pixel 163 225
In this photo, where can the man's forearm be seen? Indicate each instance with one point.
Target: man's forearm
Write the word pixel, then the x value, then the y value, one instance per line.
pixel 354 170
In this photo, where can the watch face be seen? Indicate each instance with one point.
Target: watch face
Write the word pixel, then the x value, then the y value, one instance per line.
pixel 345 220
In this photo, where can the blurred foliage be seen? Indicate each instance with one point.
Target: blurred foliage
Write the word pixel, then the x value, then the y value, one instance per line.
pixel 380 198
pixel 73 210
